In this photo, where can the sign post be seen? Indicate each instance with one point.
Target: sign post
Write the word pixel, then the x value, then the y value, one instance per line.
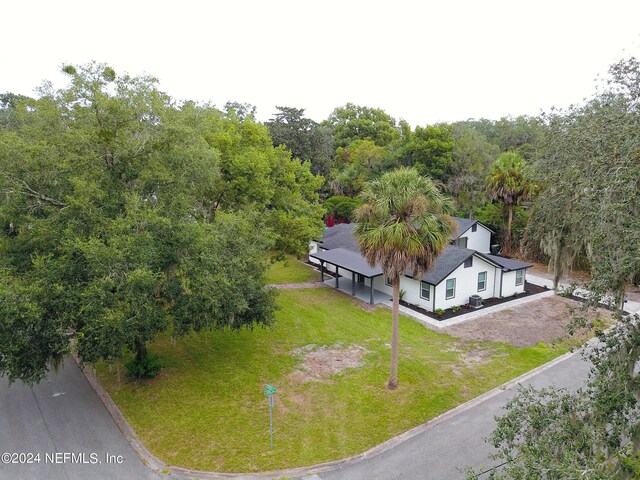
pixel 269 392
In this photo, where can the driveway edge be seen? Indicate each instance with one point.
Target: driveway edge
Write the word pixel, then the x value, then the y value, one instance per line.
pixel 159 466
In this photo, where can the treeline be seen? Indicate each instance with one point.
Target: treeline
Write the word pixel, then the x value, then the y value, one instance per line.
pixel 357 144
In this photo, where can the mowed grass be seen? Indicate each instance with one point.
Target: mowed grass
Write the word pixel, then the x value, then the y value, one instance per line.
pixel 291 270
pixel 206 410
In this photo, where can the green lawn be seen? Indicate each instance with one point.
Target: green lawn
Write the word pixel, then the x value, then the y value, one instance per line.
pixel 291 270
pixel 206 409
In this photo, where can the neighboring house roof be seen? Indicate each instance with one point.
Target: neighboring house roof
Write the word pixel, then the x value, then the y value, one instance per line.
pixel 348 260
pixel 507 264
pixel 450 259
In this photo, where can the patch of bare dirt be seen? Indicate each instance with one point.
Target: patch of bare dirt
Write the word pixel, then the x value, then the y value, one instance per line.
pixel 320 363
pixel 470 358
pixel 523 325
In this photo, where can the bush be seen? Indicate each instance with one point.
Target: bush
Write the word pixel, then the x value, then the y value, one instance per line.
pixel 455 309
pixel 567 291
pixel 341 207
pixel 147 367
pixel 439 311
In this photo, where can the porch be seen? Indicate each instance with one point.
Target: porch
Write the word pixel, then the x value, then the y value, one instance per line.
pixel 353 275
pixel 362 291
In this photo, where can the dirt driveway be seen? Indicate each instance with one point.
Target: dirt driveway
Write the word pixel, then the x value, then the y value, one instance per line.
pixel 525 325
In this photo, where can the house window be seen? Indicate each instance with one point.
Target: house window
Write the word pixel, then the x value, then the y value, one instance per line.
pixel 387 282
pixel 425 290
pixel 451 288
pixel 474 227
pixel 482 281
pixel 468 262
pixel 462 242
pixel 519 277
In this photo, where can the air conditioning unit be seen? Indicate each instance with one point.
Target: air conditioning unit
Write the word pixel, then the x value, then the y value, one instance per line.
pixel 475 301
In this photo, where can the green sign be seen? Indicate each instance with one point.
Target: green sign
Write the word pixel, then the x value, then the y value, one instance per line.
pixel 270 390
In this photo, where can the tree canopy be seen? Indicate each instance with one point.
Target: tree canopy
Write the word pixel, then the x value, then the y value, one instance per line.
pixel 125 214
pixel 352 122
pixel 306 140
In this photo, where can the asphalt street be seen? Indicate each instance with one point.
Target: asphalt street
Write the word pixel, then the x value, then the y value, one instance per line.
pixel 59 416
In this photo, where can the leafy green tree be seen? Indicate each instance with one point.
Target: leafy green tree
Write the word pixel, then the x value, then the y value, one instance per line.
pixel 306 139
pixel 254 175
pixel 508 182
pixel 472 156
pixel 342 207
pixel 520 134
pixel 429 149
pixel 354 122
pixel 355 165
pixel 125 215
pixel 589 168
pixel 403 225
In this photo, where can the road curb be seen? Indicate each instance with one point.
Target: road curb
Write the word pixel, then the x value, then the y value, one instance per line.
pixel 159 466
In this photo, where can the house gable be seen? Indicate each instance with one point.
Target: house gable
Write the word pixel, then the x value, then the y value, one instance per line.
pixel 473 235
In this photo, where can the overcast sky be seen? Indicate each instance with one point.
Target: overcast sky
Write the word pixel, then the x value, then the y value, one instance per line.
pixel 422 61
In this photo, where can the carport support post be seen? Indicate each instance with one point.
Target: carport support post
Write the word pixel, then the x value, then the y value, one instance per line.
pixel 353 283
pixel 371 299
pixel 337 276
pixel 322 272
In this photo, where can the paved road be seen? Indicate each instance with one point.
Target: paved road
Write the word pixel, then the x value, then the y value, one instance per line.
pixel 63 414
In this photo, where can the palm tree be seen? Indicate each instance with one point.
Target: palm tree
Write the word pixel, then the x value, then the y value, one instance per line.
pixel 402 226
pixel 509 183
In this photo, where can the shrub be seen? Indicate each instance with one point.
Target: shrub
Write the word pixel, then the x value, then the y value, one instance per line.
pixel 147 367
pixel 455 309
pixel 439 311
pixel 567 291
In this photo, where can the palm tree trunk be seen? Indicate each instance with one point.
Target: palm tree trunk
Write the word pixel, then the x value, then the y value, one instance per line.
pixel 393 377
pixel 507 243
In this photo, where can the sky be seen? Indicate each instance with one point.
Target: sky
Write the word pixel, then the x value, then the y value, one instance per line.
pixel 422 61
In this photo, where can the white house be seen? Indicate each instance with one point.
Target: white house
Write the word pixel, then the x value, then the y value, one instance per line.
pixel 464 269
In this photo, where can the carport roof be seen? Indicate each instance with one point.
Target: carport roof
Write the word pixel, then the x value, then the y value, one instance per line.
pixel 348 260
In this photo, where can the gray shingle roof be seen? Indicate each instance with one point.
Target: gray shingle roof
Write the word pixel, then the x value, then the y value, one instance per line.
pixel 340 236
pixel 507 264
pixel 450 259
pixel 464 224
pixel 349 260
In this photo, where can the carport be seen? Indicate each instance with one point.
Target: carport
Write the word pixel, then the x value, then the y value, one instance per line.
pixel 353 262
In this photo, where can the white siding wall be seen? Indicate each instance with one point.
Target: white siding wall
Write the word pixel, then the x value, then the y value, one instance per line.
pixel 378 284
pixel 466 284
pixel 509 284
pixel 313 248
pixel 411 288
pixel 412 295
pixel 479 240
